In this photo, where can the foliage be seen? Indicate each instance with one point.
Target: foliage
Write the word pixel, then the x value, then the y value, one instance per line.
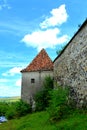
pixel 48 83
pixel 42 97
pixel 14 109
pixel 11 112
pixel 3 108
pixel 40 121
pixel 22 108
pixel 58 107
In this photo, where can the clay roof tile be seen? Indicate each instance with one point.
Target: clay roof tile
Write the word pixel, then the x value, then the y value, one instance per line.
pixel 41 62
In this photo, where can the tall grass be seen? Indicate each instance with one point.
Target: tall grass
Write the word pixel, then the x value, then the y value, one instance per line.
pixel 40 121
pixel 58 113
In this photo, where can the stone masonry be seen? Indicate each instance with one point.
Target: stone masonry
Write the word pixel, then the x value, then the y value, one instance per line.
pixel 70 67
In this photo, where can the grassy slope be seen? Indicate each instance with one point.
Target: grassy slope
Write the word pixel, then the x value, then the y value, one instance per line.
pixel 9 99
pixel 40 121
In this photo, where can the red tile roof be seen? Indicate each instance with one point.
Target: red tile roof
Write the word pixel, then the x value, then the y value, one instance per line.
pixel 41 62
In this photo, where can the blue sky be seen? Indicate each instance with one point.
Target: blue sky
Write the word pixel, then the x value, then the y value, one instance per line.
pixel 28 26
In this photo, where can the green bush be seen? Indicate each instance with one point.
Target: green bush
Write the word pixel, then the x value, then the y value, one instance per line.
pixel 11 112
pixel 3 108
pixel 42 97
pixel 42 100
pixel 48 83
pixel 58 107
pixel 22 108
pixel 14 109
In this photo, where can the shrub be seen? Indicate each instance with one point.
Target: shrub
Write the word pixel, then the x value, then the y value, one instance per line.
pixel 22 108
pixel 58 107
pixel 42 100
pixel 3 108
pixel 48 83
pixel 11 112
pixel 42 97
pixel 14 109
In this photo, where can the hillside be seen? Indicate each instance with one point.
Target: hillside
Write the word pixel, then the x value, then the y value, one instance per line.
pixel 40 121
pixel 9 99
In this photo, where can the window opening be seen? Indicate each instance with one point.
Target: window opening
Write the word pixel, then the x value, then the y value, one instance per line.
pixel 32 80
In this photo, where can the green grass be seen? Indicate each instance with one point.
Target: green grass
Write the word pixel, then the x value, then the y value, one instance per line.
pixel 9 99
pixel 40 121
pixel 76 122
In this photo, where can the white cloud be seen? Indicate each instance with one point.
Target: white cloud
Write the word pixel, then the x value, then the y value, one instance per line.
pixel 18 82
pixel 58 17
pixel 44 39
pixel 13 71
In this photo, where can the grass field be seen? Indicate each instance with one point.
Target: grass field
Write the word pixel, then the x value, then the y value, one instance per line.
pixel 76 120
pixel 40 121
pixel 9 99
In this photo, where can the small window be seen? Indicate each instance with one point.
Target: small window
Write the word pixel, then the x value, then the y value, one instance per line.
pixel 32 80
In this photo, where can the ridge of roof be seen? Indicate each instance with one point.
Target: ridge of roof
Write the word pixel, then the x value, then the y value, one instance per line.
pixel 84 23
pixel 41 62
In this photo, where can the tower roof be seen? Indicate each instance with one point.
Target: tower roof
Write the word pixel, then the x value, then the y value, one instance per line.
pixel 41 62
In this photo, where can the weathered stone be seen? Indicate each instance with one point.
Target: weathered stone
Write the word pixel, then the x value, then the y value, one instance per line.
pixel 70 67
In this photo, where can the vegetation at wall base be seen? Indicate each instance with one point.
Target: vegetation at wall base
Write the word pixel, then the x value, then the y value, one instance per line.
pixel 42 97
pixel 58 113
pixel 14 109
pixel 40 121
pixel 58 107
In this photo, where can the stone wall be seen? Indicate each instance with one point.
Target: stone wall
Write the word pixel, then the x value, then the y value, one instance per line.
pixel 70 68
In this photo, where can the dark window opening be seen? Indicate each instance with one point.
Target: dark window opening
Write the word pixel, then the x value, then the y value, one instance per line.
pixel 32 80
